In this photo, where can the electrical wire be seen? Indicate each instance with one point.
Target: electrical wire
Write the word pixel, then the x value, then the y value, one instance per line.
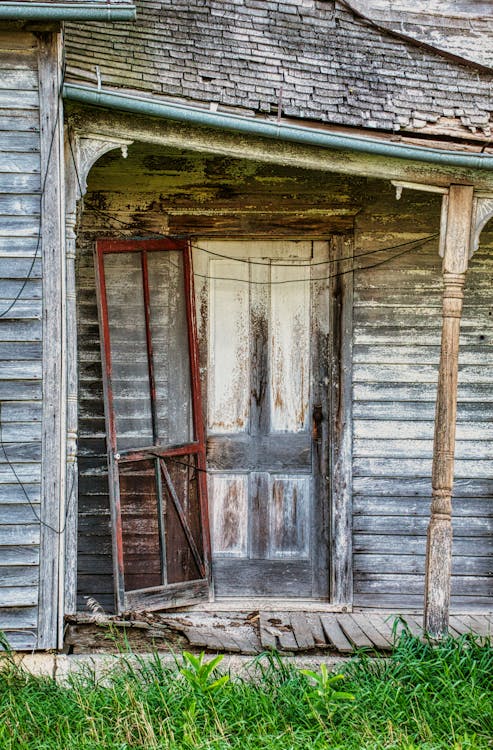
pixel 9 308
pixel 42 192
pixel 22 485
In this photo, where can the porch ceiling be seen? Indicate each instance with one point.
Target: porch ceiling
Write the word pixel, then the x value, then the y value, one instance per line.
pixel 176 191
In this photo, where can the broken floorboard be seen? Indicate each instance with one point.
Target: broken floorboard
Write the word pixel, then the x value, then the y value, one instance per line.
pixel 250 634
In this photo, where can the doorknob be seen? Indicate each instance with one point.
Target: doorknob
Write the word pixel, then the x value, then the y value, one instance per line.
pixel 317 417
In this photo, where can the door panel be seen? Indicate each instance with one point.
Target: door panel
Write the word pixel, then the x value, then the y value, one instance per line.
pixel 267 375
pixel 289 381
pixel 156 449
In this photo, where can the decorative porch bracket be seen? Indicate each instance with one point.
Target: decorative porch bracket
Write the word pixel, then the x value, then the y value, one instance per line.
pixel 81 153
pixel 455 242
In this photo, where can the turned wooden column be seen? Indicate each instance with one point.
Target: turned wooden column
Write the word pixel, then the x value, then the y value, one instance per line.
pixel 456 247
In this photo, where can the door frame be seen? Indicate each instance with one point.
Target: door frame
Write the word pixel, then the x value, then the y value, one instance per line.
pixel 196 448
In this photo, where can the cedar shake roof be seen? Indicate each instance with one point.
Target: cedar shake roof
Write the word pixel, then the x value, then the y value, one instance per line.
pixel 314 59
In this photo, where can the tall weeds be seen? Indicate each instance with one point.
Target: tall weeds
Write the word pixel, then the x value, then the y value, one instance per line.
pixel 424 696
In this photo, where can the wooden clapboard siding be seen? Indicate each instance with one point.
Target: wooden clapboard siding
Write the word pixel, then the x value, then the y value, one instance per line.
pixel 20 338
pixel 95 569
pixel 397 322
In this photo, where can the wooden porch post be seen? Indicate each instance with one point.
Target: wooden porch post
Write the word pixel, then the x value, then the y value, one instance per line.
pixel 456 246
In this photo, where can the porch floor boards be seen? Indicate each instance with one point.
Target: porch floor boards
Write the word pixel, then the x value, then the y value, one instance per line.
pixel 287 632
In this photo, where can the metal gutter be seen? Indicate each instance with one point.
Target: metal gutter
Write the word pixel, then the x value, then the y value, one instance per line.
pixel 267 129
pixel 27 11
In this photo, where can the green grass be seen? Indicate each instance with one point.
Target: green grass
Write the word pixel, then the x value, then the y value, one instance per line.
pixel 424 696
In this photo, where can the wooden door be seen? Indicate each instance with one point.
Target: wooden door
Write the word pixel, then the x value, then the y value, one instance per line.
pixel 264 339
pixel 156 450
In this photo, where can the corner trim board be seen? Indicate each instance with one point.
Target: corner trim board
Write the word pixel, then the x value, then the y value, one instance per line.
pixel 52 509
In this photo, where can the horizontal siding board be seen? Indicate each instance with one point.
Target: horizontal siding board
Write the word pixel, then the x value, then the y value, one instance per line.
pixel 401 544
pixel 397 448
pixel 14 493
pixel 19 330
pixel 18 80
pixel 23 99
pixel 19 555
pixel 26 472
pixel 418 467
pixel 18 575
pixel 20 350
pixel 26 370
pixel 409 506
pixel 418 430
pixel 21 309
pixel 19 247
pixel 19 596
pixel 21 452
pixel 12 205
pixel 384 583
pixel 396 392
pixel 19 268
pixel 13 390
pixel 21 411
pixel 403 602
pixel 19 121
pixel 19 513
pixel 19 226
pixel 15 432
pixel 18 617
pixel 378 564
pixel 421 411
pixel 419 487
pixel 417 525
pixel 20 639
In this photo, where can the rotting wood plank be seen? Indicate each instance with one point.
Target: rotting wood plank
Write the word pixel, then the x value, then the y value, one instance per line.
pixel 287 640
pixel 335 635
pixel 313 620
pixel 457 626
pixel 384 626
pixel 302 631
pixel 352 631
pixel 267 632
pixel 365 623
pixel 277 625
pixel 222 639
pixel 477 625
pixel 414 624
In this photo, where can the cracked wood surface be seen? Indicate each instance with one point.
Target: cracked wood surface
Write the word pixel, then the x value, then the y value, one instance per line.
pixel 257 631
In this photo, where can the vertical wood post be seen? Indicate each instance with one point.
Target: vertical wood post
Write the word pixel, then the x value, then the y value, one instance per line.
pixel 341 425
pixel 456 243
pixel 50 611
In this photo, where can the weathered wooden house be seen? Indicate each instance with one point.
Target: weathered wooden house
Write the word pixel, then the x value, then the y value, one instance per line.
pixel 245 274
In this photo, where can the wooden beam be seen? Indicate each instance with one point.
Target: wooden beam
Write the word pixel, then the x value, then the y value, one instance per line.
pixel 341 337
pixel 107 124
pixel 457 232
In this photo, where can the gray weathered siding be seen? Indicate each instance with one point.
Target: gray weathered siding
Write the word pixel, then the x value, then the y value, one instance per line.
pixel 20 337
pixel 397 320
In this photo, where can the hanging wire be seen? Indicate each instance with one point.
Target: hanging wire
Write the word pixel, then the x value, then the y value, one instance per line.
pixel 8 309
pixel 22 485
pixel 310 263
pixel 43 188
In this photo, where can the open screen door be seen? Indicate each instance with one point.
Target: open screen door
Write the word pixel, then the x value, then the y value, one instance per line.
pixel 155 437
